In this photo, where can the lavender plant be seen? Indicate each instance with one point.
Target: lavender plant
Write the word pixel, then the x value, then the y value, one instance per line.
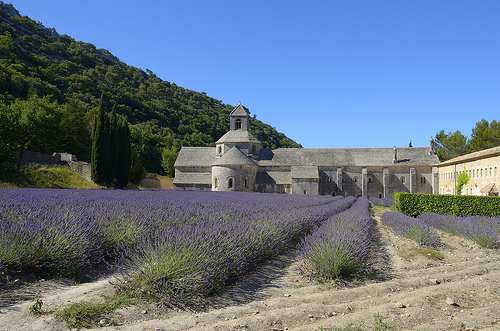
pixel 384 202
pixel 476 228
pixel 411 228
pixel 339 246
pixel 168 242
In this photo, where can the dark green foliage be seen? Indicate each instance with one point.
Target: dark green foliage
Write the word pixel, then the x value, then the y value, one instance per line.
pixel 124 154
pixel 100 147
pixel 450 145
pixel 485 135
pixel 137 170
pixel 37 61
pixel 168 157
pixel 30 122
pixel 414 204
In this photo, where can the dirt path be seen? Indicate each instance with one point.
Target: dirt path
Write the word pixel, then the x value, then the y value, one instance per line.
pixel 459 292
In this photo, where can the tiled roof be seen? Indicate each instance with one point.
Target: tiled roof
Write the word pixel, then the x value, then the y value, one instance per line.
pixel 195 157
pixel 305 172
pixel 233 157
pixel 473 156
pixel 347 157
pixel 237 136
pixel 193 178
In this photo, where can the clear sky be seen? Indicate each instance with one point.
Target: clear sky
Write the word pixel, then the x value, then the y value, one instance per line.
pixel 334 74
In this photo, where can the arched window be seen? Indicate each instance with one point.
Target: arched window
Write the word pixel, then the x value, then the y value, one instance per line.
pixel 230 182
pixel 423 180
pixel 370 179
pixel 238 123
pixel 403 179
pixel 380 195
pixel 305 191
pixel 355 179
pixel 216 182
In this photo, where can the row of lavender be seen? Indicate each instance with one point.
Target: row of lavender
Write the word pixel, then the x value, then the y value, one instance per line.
pixel 384 202
pixel 482 230
pixel 168 242
pixel 340 245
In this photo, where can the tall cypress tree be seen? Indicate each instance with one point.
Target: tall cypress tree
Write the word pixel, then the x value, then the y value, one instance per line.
pixel 100 146
pixel 113 148
pixel 124 154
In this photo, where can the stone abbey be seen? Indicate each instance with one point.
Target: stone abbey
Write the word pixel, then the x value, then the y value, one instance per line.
pixel 238 162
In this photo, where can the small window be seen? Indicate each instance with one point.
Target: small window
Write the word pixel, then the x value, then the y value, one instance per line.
pixel 246 182
pixel 219 150
pixel 380 195
pixel 230 183
pixel 423 180
pixel 370 179
pixel 355 179
pixel 330 179
pixel 238 123
pixel 403 179
pixel 305 191
pixel 216 182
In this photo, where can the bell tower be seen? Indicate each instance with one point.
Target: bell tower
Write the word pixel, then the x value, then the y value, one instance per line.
pixel 239 118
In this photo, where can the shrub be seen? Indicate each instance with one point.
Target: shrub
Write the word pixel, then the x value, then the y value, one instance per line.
pixel 413 204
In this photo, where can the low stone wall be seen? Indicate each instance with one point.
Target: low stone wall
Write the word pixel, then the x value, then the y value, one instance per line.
pixel 81 168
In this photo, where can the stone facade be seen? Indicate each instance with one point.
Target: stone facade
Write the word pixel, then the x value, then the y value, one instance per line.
pixel 483 169
pixel 238 162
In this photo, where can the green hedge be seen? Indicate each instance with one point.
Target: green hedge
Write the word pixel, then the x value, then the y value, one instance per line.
pixel 413 204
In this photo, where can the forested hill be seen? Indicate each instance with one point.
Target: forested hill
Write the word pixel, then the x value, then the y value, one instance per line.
pixel 36 61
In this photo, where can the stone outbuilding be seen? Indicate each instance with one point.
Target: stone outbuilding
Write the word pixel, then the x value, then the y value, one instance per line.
pixel 238 162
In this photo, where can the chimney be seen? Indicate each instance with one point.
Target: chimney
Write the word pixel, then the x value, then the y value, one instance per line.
pixel 395 155
pixel 431 149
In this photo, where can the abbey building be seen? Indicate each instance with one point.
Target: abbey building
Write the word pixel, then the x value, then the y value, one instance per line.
pixel 238 162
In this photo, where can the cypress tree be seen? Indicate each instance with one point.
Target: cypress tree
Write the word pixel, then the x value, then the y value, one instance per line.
pixel 124 154
pixel 113 148
pixel 100 146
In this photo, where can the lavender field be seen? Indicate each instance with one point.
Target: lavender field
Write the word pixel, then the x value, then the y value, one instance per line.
pixel 168 243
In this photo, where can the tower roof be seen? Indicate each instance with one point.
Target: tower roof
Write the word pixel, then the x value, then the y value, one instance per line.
pixel 237 136
pixel 239 110
pixel 234 157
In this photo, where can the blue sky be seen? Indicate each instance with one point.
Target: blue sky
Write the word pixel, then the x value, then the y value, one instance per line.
pixel 325 73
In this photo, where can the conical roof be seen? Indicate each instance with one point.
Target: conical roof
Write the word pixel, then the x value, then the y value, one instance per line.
pixel 234 157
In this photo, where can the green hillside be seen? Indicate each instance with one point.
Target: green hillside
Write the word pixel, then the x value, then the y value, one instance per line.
pixel 37 61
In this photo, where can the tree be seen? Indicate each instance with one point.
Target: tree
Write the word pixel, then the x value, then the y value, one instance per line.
pixel 113 149
pixel 100 147
pixel 124 162
pixel 33 122
pixel 462 180
pixel 7 140
pixel 450 145
pixel 168 157
pixel 137 171
pixel 484 136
